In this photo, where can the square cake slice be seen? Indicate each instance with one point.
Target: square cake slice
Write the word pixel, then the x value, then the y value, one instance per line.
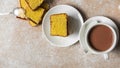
pixel 36 15
pixel 34 4
pixel 58 24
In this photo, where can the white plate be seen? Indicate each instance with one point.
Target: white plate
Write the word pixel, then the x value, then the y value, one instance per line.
pixel 75 21
pixel 84 28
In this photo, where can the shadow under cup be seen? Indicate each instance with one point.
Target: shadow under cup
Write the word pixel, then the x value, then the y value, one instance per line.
pixel 101 38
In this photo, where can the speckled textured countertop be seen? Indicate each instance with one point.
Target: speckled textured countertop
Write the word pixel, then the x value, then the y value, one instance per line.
pixel 23 46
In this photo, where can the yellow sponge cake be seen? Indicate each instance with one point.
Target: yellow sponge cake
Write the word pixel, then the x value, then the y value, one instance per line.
pixel 45 6
pixel 58 24
pixel 36 15
pixel 32 23
pixel 34 4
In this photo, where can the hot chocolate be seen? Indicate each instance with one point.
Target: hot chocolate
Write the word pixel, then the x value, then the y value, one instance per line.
pixel 100 38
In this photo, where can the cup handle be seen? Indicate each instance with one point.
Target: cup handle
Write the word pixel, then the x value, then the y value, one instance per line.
pixel 106 57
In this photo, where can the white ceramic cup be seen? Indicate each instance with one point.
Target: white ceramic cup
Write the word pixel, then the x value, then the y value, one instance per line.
pixel 92 50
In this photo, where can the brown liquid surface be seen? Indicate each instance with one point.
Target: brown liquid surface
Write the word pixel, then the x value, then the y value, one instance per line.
pixel 100 37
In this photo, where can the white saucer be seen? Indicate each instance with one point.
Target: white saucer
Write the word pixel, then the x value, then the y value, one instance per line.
pixel 75 21
pixel 84 28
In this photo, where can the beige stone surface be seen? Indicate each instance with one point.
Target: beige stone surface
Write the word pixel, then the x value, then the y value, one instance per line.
pixel 23 46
